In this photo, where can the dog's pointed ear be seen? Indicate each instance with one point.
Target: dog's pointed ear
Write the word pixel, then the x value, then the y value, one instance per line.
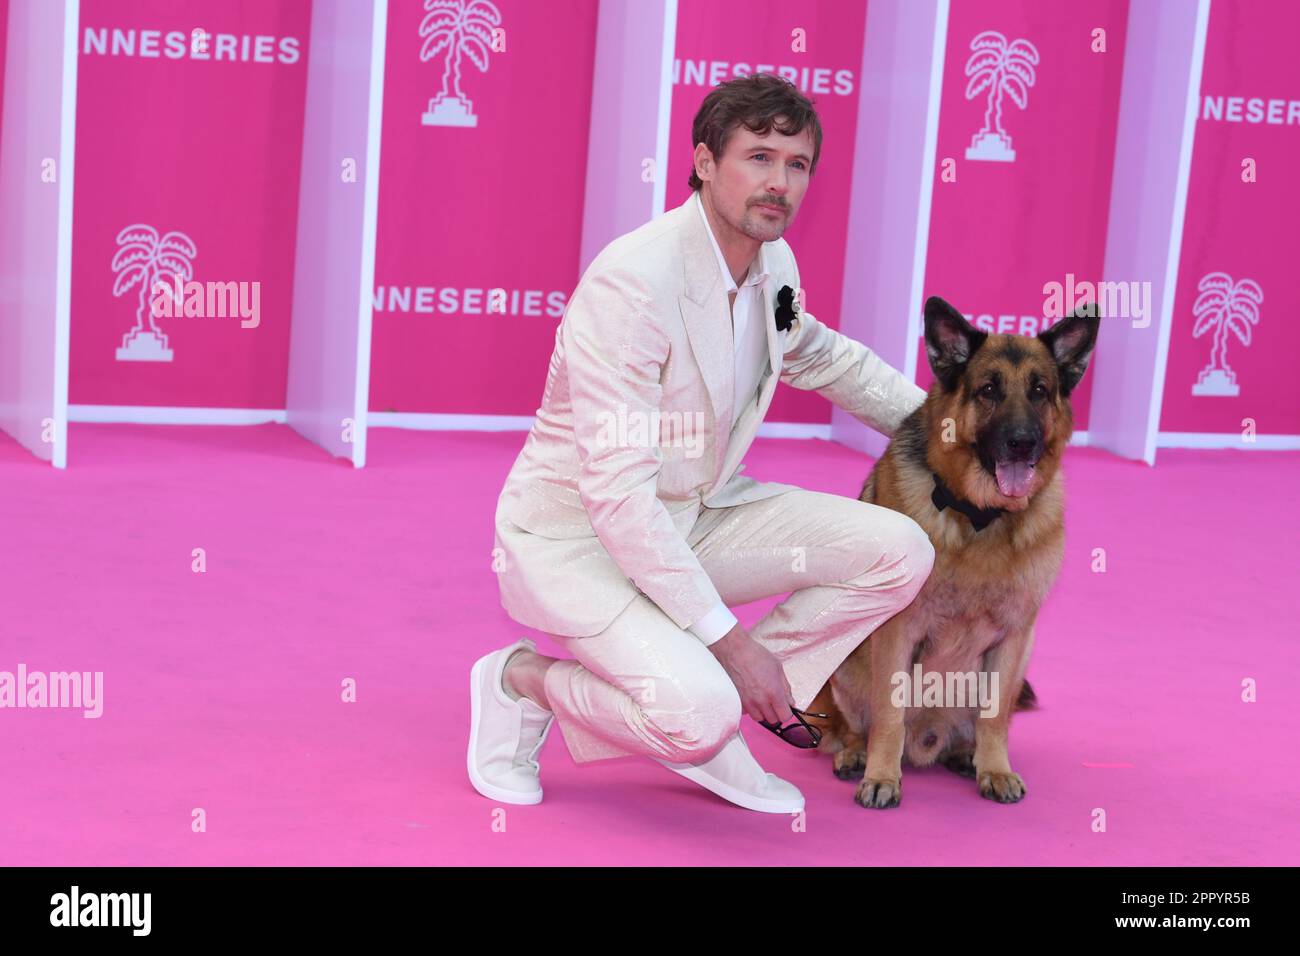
pixel 1071 342
pixel 950 341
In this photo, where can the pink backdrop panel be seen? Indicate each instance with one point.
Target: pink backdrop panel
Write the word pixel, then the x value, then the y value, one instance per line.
pixel 1234 333
pixel 4 39
pixel 197 138
pixel 721 39
pixel 480 188
pixel 1028 207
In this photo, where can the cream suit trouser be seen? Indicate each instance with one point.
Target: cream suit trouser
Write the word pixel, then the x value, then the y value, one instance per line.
pixel 645 686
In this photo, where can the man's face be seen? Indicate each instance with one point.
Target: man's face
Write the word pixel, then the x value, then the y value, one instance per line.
pixel 759 181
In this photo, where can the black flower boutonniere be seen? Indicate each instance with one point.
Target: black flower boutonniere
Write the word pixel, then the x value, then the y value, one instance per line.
pixel 787 308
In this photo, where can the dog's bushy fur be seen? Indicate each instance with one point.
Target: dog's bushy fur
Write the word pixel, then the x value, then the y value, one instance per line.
pixel 993 427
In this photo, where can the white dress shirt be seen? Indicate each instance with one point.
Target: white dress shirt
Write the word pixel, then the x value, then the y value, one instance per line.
pixel 749 345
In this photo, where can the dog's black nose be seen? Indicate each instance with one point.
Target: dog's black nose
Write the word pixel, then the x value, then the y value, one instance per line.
pixel 930 739
pixel 1021 441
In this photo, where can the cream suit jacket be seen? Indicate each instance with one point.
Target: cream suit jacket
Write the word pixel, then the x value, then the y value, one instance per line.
pixel 607 510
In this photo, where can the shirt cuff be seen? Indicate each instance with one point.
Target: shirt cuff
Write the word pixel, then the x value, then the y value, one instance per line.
pixel 715 625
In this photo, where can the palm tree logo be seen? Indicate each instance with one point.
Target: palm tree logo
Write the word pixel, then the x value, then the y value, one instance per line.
pixel 144 258
pixel 458 27
pixel 1000 68
pixel 1223 306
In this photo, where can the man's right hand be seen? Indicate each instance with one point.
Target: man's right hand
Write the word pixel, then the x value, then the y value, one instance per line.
pixel 759 678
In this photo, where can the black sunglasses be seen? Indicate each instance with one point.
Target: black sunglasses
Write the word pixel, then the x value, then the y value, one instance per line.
pixel 800 734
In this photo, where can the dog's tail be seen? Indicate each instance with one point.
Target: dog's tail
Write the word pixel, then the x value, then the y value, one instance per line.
pixel 1027 700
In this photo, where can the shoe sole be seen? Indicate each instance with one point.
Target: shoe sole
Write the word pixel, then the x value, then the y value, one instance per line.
pixel 491 791
pixel 739 797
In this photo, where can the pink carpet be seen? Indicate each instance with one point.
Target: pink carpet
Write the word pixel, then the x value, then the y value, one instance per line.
pixel 222 690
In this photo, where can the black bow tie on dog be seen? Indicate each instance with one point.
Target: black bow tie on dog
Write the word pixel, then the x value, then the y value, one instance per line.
pixel 786 310
pixel 943 497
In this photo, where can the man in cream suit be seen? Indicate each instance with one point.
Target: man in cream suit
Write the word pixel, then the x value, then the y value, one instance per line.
pixel 625 529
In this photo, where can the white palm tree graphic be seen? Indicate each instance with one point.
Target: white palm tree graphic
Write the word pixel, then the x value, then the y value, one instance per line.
pixel 143 258
pixel 1000 68
pixel 1223 306
pixel 458 27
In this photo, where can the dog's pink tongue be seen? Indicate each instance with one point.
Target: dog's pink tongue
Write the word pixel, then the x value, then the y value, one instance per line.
pixel 1014 478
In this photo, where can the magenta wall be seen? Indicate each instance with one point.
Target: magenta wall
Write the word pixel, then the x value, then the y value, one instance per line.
pixel 4 39
pixel 209 147
pixel 719 39
pixel 1245 232
pixel 1003 229
pixel 463 209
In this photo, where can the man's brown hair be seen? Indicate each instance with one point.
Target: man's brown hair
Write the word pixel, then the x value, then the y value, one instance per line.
pixel 757 102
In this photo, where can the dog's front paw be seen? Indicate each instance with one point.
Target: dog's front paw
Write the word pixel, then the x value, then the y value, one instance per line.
pixel 879 794
pixel 1003 787
pixel 850 764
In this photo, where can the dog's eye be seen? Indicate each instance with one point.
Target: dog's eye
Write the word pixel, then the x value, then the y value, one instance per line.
pixel 1038 391
pixel 988 390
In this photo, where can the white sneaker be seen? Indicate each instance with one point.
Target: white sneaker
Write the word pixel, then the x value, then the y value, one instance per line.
pixel 733 774
pixel 505 735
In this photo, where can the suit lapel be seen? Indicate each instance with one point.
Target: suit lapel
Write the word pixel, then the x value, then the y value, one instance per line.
pixel 704 311
pixel 774 338
pixel 747 425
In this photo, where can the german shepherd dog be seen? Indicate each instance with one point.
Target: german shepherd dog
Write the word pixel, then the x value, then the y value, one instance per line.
pixel 978 467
